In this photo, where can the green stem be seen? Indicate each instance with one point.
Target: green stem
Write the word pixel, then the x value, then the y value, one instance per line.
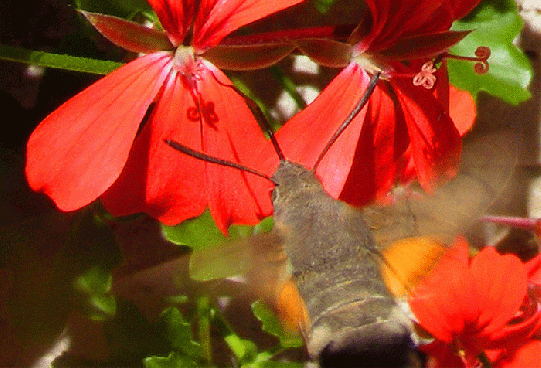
pixel 203 313
pixel 252 96
pixel 289 86
pixel 57 61
pixel 232 339
pixel 244 350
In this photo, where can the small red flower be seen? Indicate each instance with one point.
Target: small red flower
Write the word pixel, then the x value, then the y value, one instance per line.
pixel 475 306
pixel 93 144
pixel 407 129
pixel 528 355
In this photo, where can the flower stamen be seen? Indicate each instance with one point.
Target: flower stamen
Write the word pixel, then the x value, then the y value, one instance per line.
pixel 426 77
pixel 482 53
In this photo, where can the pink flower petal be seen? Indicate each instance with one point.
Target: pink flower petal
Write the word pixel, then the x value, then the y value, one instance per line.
pixel 79 150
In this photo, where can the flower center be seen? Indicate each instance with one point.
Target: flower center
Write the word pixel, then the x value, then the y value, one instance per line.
pixel 371 65
pixel 186 63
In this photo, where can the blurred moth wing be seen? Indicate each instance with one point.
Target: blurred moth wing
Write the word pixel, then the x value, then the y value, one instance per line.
pixel 487 165
pixel 262 260
pixel 416 231
pixel 408 261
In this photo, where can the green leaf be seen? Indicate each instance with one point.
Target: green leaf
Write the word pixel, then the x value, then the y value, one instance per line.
pixel 266 225
pixel 95 280
pixel 49 253
pixel 201 232
pixel 273 364
pixel 179 332
pixel 289 86
pixel 131 337
pixel 57 61
pixel 244 350
pixel 174 360
pixel 271 324
pixel 95 286
pixel 323 6
pixel 244 89
pixel 177 299
pixel 120 8
pixel 103 306
pixel 496 23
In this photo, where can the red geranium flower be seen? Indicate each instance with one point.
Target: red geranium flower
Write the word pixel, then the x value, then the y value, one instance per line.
pixel 407 129
pixel 93 143
pixel 528 355
pixel 475 306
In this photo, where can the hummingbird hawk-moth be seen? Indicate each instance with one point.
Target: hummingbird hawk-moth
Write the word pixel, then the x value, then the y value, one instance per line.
pixel 321 266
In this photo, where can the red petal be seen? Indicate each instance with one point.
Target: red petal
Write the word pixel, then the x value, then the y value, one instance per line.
pixel 501 281
pixel 528 355
pixel 445 302
pixel 516 333
pixel 533 268
pixel 435 142
pixel 175 17
pixel 172 186
pixel 441 355
pixel 78 151
pixel 336 32
pixel 441 89
pixel 423 46
pixel 157 179
pixel 218 18
pixel 395 19
pixel 129 35
pixel 461 109
pixel 379 151
pixel 304 136
pixel 461 8
pixel 234 197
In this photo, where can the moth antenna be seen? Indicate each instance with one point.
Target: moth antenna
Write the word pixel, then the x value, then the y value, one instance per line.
pixel 263 122
pixel 203 157
pixel 362 102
